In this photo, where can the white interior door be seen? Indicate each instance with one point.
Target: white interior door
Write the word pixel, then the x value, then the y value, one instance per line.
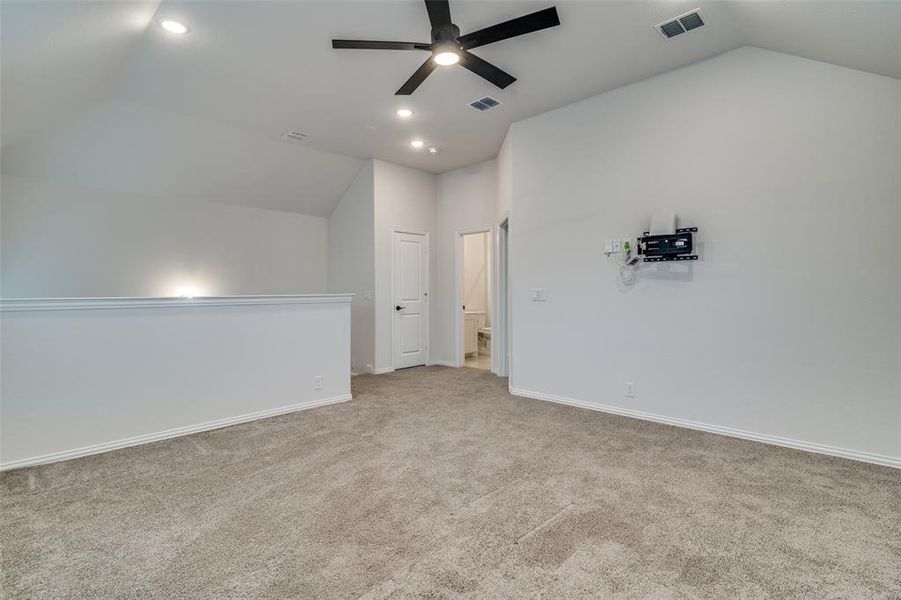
pixel 411 295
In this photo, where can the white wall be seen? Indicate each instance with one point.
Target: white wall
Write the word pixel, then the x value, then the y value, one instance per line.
pixel 466 199
pixel 93 375
pixel 64 240
pixel 789 325
pixel 475 273
pixel 137 149
pixel 504 182
pixel 351 262
pixel 403 197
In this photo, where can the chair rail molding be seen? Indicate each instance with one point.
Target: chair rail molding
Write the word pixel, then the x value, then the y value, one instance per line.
pixel 38 304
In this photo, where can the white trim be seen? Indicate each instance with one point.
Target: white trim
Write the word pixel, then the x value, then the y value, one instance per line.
pixel 500 298
pixel 410 230
pixel 458 284
pixel 878 459
pixel 382 370
pixel 36 304
pixel 170 433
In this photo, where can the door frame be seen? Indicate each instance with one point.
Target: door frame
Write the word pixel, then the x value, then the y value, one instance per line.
pixel 459 359
pixel 427 278
pixel 501 318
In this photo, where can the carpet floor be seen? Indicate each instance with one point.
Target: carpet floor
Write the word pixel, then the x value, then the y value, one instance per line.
pixel 436 483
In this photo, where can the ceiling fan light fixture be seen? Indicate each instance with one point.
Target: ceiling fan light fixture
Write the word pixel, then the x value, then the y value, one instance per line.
pixel 447 58
pixel 447 54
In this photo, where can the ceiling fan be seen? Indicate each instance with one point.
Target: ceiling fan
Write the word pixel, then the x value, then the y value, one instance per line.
pixel 448 47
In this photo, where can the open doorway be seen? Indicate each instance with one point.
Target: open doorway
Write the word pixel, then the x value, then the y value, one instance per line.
pixel 474 251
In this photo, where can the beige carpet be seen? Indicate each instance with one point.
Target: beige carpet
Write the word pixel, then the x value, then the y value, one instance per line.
pixel 435 483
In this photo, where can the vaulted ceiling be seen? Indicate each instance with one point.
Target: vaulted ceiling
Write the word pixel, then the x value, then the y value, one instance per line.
pixel 98 93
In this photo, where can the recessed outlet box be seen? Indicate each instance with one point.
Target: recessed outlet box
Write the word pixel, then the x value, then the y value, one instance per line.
pixel 614 246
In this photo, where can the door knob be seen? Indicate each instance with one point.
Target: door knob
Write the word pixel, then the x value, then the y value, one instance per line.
pixel 399 307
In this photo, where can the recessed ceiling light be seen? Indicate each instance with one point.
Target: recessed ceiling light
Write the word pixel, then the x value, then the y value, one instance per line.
pixel 417 143
pixel 404 112
pixel 434 150
pixel 173 26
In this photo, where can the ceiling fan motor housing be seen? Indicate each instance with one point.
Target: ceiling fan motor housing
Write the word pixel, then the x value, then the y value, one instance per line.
pixel 446 33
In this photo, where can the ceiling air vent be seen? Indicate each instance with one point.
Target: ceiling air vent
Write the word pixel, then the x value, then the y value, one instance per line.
pixel 295 136
pixel 483 104
pixel 681 24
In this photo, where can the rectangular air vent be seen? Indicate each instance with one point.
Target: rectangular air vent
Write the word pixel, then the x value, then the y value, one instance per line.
pixel 295 136
pixel 691 21
pixel 483 104
pixel 681 24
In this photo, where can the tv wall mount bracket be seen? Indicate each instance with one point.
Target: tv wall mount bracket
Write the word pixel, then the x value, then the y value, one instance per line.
pixel 668 247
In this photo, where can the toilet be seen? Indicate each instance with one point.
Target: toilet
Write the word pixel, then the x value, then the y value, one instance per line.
pixel 485 340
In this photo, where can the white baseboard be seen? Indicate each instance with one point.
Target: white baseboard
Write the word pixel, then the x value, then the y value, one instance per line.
pixel 382 370
pixel 867 457
pixel 170 433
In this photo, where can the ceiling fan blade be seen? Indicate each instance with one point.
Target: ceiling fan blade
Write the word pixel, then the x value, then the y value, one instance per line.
pixel 439 12
pixel 485 69
pixel 535 21
pixel 378 45
pixel 417 78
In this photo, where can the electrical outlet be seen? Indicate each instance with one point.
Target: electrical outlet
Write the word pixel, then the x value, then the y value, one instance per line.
pixel 617 245
pixel 630 389
pixel 317 383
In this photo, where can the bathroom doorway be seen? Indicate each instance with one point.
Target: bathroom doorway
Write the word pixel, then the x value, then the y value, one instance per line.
pixel 474 298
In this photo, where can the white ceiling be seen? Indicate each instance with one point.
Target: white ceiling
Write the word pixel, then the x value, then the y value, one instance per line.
pixel 58 57
pixel 249 71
